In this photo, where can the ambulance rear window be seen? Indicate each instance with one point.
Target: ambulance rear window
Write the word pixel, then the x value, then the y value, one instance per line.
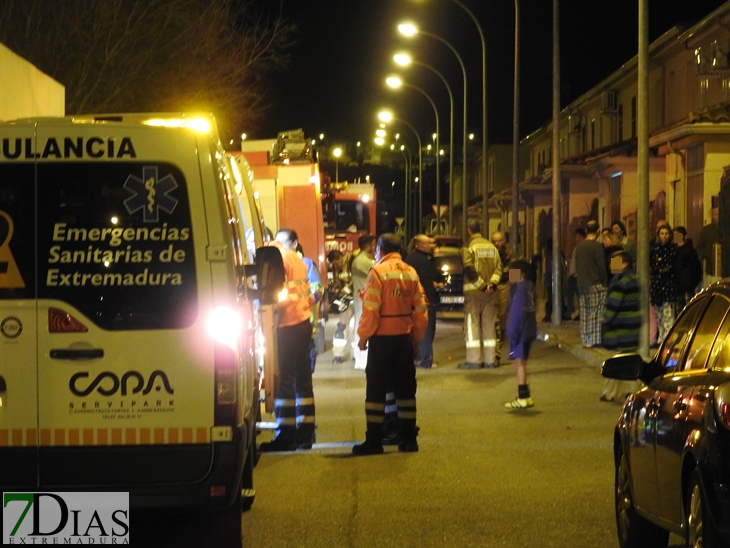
pixel 17 231
pixel 115 241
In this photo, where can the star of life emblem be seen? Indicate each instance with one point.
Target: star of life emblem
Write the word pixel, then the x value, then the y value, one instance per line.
pixel 150 194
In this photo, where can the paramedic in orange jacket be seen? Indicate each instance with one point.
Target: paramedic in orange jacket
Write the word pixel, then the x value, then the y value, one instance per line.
pixel 394 319
pixel 294 403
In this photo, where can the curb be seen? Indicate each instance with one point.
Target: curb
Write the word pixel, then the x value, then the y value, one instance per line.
pixel 592 356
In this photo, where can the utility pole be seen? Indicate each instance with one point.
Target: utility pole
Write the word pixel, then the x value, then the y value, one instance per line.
pixel 557 312
pixel 642 168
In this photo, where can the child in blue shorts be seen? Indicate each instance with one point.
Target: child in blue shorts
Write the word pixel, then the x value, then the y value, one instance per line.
pixel 521 327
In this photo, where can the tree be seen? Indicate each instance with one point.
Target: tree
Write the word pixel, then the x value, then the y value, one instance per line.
pixel 154 55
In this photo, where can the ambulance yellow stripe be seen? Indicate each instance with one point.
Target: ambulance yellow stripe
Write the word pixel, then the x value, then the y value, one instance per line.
pixel 75 437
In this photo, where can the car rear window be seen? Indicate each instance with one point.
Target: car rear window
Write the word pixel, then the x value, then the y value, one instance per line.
pixel 115 241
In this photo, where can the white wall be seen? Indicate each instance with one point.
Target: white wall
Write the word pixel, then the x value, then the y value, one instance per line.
pixel 26 91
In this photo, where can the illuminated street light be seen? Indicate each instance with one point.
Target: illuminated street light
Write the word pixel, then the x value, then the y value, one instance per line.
pixel 395 82
pixel 337 153
pixel 485 144
pixel 380 142
pixel 404 59
pixel 409 29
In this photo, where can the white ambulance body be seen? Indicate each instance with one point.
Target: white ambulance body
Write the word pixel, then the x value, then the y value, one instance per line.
pixel 127 319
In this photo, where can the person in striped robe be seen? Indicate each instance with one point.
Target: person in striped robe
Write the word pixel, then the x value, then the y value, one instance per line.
pixel 622 316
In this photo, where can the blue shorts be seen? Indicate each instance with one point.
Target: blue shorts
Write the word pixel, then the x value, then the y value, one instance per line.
pixel 519 350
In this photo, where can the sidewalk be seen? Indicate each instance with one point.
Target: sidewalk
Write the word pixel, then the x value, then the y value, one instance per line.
pixel 566 336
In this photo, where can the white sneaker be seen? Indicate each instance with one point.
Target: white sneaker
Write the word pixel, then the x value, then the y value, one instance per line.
pixel 520 403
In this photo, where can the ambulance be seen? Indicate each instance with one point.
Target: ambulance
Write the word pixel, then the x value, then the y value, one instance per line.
pixel 130 304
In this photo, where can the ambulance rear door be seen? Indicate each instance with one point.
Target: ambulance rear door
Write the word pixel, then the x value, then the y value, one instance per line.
pixel 126 379
pixel 18 361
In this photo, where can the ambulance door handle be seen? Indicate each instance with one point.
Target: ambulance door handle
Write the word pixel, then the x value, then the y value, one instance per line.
pixel 77 353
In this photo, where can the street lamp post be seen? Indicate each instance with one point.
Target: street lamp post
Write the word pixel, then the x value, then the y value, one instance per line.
pixel 405 60
pixel 337 153
pixel 408 202
pixel 516 134
pixel 485 136
pixel 387 117
pixel 408 29
pixel 395 83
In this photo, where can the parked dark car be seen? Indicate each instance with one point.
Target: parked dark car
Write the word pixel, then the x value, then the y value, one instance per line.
pixel 451 296
pixel 672 439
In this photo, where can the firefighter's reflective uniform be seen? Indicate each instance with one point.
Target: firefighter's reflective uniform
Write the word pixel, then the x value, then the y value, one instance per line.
pixel 316 289
pixel 482 269
pixel 393 320
pixel 294 399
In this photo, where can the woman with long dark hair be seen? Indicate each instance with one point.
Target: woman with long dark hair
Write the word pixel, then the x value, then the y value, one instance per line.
pixel 663 280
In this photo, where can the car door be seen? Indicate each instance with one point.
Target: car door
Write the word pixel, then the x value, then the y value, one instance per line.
pixel 18 357
pixel 124 367
pixel 645 408
pixel 677 411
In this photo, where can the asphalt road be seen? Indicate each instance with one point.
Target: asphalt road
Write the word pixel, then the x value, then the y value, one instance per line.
pixel 485 476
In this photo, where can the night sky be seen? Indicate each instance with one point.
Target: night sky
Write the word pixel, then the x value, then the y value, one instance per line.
pixel 335 83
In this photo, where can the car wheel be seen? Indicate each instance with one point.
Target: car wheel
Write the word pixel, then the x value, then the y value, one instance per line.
pixel 634 531
pixel 701 532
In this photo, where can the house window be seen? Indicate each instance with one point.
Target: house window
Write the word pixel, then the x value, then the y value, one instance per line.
pixel 695 190
pixel 593 133
pixel 615 205
pixel 633 116
pixel 621 122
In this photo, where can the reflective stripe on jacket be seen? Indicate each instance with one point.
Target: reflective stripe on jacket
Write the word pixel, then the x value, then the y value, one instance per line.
pixel 482 258
pixel 393 302
pixel 295 307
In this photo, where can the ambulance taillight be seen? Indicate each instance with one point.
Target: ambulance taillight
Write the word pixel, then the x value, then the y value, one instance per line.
pixel 60 321
pixel 224 325
pixel 226 396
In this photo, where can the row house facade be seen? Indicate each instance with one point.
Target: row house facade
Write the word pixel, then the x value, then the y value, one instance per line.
pixel 689 124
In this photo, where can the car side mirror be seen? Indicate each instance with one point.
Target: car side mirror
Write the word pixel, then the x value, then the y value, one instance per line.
pixel 624 367
pixel 270 275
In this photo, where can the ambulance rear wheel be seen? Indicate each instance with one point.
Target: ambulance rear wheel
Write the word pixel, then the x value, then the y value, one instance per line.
pixel 226 530
pixel 248 493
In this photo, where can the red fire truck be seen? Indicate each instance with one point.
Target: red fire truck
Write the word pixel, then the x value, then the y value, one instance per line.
pixel 349 212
